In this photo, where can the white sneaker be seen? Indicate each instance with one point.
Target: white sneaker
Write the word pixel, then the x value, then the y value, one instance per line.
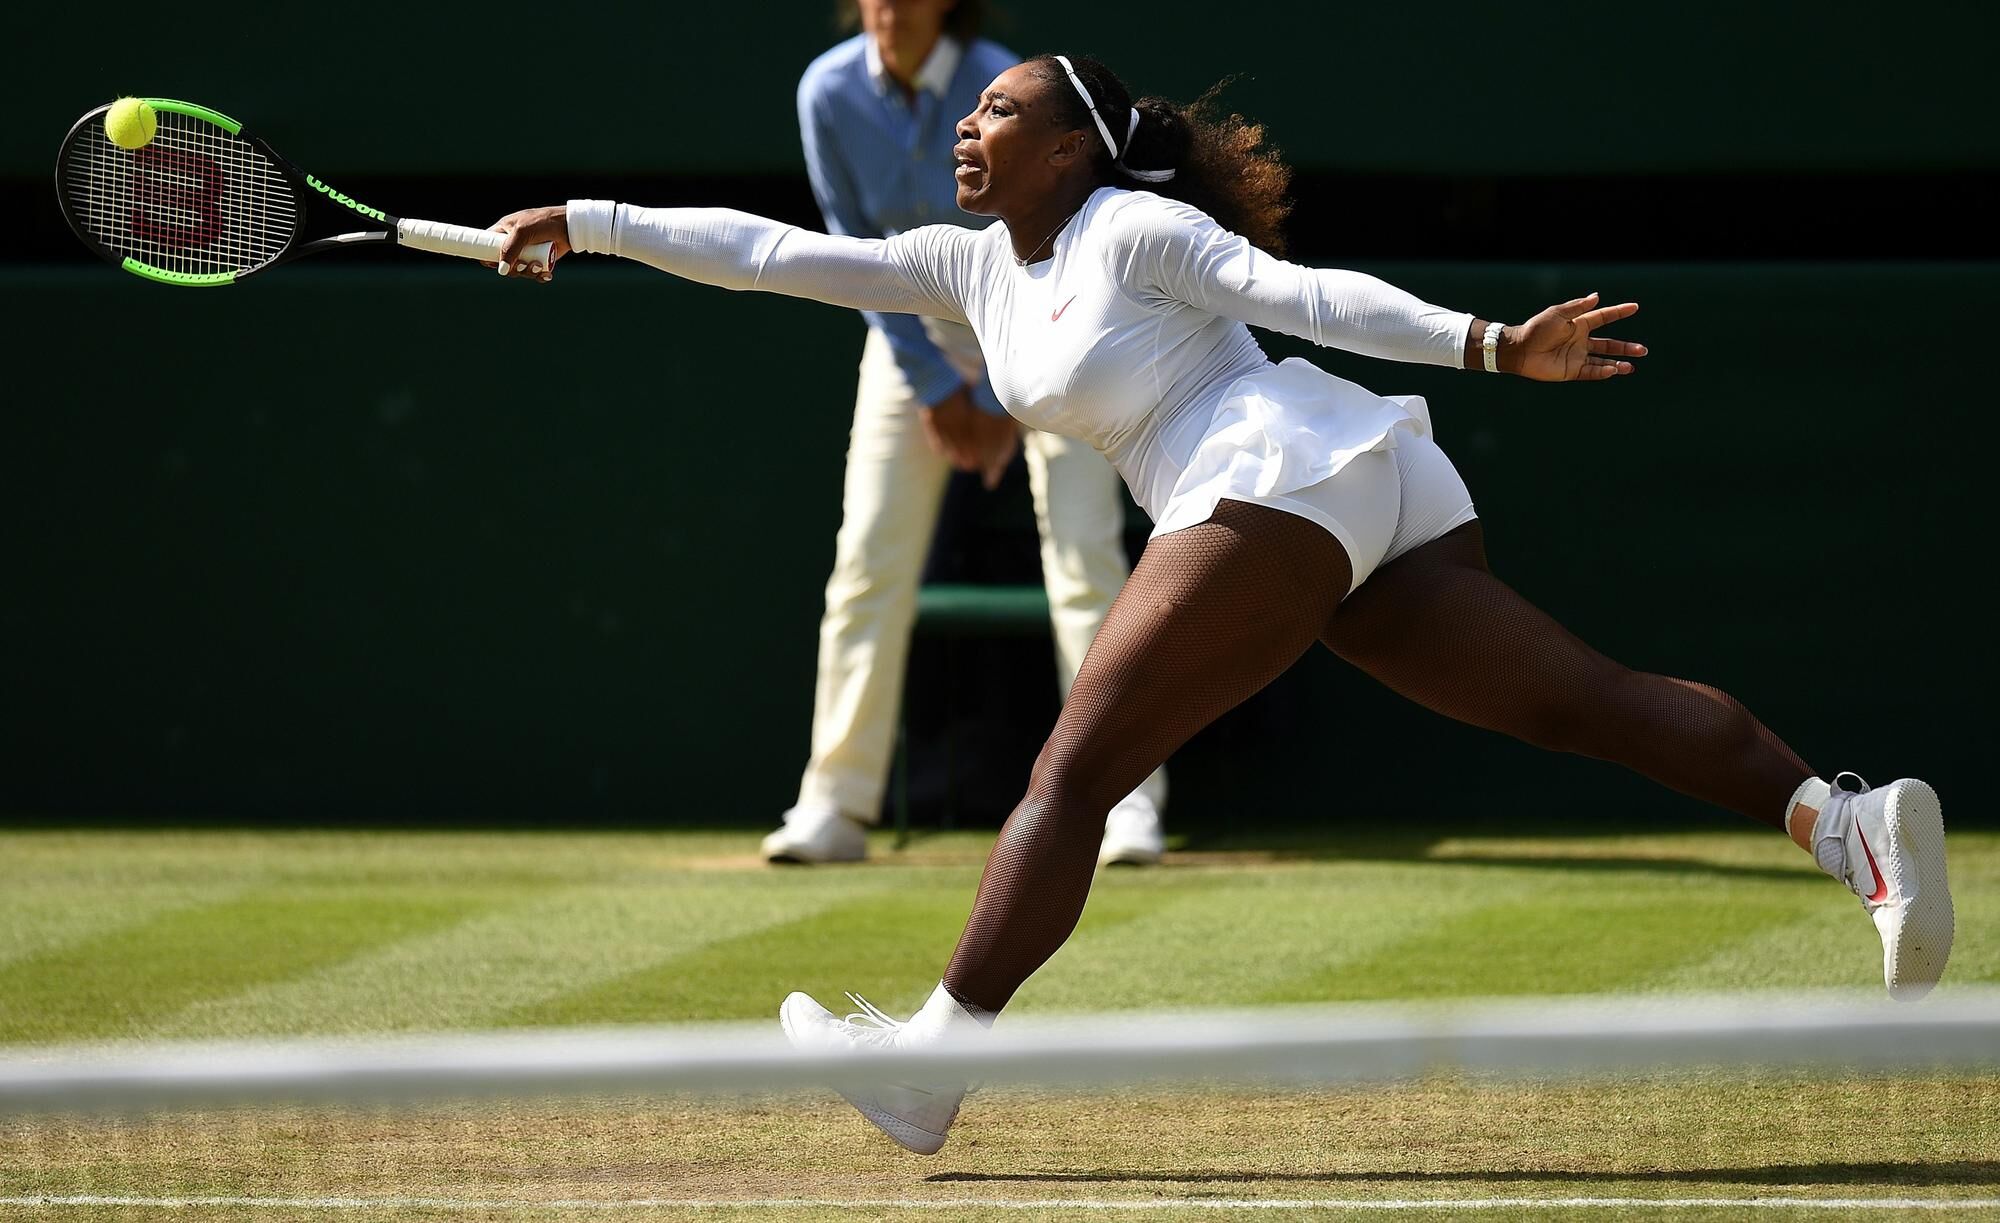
pixel 817 834
pixel 917 1116
pixel 1132 835
pixel 1893 840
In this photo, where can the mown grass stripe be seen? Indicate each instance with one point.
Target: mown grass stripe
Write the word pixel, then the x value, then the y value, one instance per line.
pixel 1816 949
pixel 42 917
pixel 891 945
pixel 1563 942
pixel 1242 935
pixel 490 969
pixel 128 981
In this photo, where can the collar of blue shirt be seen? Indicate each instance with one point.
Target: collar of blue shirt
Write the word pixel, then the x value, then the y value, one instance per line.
pixel 935 76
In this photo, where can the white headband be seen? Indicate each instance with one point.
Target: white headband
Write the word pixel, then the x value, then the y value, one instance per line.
pixel 1117 159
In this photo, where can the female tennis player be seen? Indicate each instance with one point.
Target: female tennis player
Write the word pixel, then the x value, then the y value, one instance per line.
pixel 1290 506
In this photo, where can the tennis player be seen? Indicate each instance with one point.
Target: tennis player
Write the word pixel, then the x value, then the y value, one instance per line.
pixel 1290 507
pixel 878 116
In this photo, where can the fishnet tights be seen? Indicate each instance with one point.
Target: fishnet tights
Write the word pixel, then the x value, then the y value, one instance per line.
pixel 1214 612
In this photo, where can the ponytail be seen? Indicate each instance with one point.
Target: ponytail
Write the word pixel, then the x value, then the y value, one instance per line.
pixel 1218 163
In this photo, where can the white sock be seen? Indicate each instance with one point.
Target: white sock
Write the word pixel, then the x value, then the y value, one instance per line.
pixel 1828 804
pixel 1812 795
pixel 944 1012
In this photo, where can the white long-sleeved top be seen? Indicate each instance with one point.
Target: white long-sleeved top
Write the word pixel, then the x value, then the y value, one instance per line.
pixel 1130 336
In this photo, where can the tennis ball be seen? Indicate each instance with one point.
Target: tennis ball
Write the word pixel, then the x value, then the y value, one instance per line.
pixel 129 123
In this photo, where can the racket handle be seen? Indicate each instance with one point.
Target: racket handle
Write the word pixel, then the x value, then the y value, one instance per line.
pixel 463 241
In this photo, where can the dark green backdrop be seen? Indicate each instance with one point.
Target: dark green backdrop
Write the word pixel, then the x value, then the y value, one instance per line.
pixel 1439 87
pixel 556 553
pixel 398 541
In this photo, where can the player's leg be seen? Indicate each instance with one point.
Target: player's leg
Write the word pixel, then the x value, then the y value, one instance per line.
pixel 890 496
pixel 1436 626
pixel 1080 515
pixel 1210 615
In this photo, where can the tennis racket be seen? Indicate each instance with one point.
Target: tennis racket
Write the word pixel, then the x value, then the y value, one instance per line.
pixel 207 203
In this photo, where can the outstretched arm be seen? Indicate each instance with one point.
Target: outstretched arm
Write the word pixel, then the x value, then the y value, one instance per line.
pixel 1178 252
pixel 918 272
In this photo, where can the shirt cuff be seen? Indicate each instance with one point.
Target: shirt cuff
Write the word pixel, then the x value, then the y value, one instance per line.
pixel 593 227
pixel 1452 334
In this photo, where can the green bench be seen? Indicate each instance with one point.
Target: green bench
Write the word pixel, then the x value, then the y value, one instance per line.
pixel 962 611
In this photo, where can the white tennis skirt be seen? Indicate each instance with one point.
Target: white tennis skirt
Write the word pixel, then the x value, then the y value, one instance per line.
pixel 1383 503
pixel 1296 438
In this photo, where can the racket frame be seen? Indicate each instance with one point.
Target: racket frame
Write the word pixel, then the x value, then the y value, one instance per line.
pixel 304 186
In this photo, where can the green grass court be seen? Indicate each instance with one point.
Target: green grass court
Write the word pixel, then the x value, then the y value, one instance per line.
pixel 125 935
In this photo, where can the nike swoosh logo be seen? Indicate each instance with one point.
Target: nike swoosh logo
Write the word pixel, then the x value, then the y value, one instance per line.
pixel 1881 884
pixel 1057 316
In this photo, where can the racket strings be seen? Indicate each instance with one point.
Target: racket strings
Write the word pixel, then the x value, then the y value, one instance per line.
pixel 196 199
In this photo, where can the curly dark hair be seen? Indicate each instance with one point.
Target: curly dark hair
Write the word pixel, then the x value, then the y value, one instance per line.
pixel 963 22
pixel 1221 164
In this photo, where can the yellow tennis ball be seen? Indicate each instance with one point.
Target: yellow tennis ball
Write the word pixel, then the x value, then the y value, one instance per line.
pixel 130 123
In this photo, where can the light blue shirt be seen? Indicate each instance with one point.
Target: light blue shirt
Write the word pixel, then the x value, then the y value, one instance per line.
pixel 881 163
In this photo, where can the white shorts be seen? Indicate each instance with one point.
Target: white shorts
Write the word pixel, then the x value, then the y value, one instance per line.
pixel 1383 503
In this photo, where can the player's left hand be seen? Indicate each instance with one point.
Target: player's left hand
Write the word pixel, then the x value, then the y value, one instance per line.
pixel 1557 345
pixel 527 227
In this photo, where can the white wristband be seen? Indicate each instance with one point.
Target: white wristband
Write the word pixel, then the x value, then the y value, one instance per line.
pixel 593 227
pixel 1490 345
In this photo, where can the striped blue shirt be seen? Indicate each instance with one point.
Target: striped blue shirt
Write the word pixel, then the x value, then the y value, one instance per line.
pixel 881 163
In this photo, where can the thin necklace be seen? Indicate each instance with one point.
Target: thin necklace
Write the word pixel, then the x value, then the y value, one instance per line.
pixel 1019 262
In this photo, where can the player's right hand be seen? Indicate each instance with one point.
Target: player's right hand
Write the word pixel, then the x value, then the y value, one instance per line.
pixel 525 229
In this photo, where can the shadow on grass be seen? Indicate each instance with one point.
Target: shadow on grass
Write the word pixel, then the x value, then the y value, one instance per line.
pixel 1913 1172
pixel 1420 847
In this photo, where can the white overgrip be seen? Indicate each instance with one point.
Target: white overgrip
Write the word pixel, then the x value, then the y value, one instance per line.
pixel 464 242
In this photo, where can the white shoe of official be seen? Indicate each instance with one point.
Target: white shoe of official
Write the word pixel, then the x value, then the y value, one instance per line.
pixel 1132 835
pixel 1893 839
pixel 917 1116
pixel 817 834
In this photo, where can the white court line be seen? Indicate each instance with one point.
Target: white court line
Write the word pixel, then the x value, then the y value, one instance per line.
pixel 471 1204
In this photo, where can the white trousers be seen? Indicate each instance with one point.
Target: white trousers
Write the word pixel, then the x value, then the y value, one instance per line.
pixel 888 511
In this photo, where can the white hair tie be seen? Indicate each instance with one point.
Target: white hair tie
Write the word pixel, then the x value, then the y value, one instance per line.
pixel 1104 130
pixel 1144 176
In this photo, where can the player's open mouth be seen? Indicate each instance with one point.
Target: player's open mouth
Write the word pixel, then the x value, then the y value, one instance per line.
pixel 968 165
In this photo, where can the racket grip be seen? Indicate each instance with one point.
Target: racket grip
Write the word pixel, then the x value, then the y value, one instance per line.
pixel 463 241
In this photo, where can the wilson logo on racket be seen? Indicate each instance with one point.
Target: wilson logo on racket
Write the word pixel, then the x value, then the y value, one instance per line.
pixel 338 198
pixel 207 203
